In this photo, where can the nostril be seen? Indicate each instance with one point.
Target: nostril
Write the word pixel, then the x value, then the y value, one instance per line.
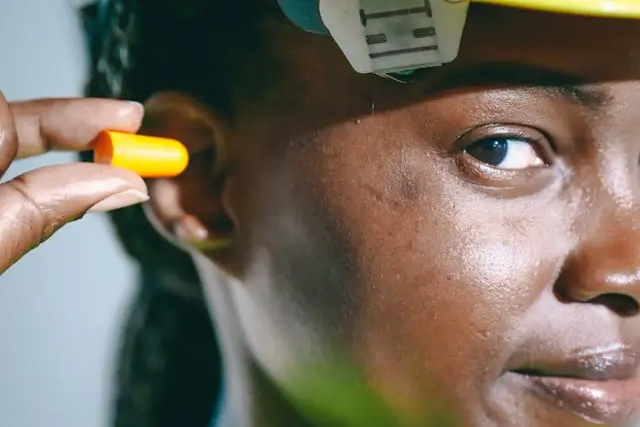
pixel 622 305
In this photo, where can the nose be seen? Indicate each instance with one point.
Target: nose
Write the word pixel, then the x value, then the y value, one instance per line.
pixel 605 269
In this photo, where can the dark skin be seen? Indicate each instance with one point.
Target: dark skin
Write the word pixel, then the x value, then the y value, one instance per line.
pixel 437 238
pixel 33 206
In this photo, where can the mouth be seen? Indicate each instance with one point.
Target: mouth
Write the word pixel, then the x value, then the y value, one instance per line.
pixel 599 387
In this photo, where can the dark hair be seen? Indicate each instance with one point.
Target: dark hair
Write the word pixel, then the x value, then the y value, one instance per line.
pixel 169 368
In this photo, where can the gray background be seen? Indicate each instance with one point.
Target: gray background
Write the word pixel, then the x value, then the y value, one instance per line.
pixel 61 306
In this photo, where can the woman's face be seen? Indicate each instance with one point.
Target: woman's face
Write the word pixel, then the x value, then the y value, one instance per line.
pixel 468 242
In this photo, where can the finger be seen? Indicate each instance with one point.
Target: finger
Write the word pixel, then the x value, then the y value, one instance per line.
pixel 8 140
pixel 36 204
pixel 70 124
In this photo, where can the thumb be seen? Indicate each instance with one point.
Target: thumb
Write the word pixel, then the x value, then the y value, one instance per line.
pixel 35 205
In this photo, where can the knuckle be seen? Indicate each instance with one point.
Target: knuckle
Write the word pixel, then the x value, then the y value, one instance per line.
pixel 8 138
pixel 29 214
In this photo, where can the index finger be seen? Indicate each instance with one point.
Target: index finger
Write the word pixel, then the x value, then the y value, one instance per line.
pixel 70 124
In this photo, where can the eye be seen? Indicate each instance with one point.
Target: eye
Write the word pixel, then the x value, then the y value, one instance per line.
pixel 509 153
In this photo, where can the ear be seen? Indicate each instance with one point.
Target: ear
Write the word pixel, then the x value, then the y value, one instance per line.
pixel 191 209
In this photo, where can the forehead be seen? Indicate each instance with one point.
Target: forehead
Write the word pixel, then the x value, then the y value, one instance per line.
pixel 596 47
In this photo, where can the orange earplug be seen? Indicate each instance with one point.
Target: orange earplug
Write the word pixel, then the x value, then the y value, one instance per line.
pixel 148 156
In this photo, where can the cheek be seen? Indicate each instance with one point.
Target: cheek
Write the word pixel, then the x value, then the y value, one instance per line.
pixel 367 241
pixel 443 274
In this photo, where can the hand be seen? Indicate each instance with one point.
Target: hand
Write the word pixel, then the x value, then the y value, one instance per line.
pixel 35 205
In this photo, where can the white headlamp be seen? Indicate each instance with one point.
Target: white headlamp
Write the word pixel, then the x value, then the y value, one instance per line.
pixel 383 37
pixel 386 36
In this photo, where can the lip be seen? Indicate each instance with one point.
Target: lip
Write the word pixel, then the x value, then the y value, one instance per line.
pixel 601 387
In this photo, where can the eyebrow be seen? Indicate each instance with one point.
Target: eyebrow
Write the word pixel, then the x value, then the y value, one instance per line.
pixel 576 89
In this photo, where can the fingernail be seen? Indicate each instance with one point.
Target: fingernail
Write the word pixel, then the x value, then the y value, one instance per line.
pixel 120 200
pixel 137 104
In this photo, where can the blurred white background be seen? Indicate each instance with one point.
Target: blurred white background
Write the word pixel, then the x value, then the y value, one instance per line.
pixel 61 306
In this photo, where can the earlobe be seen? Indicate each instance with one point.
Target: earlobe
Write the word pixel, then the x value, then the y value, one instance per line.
pixel 186 233
pixel 189 210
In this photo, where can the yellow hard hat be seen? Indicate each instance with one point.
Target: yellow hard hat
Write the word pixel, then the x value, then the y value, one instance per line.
pixel 305 14
pixel 605 8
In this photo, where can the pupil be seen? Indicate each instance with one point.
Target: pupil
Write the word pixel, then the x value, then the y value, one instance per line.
pixel 492 151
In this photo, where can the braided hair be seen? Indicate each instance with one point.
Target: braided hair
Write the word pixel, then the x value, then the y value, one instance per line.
pixel 169 365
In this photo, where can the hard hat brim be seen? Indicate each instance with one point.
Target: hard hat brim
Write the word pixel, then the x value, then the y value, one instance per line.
pixel 602 8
